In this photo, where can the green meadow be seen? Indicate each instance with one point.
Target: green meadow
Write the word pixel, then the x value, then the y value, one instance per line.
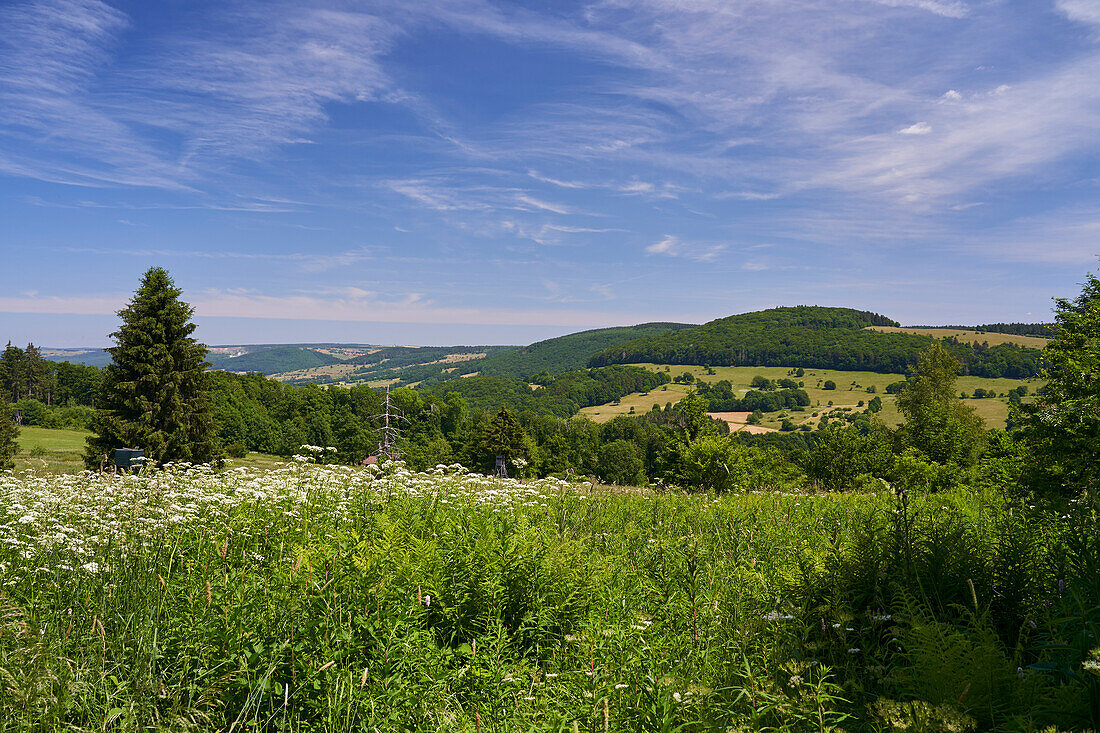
pixel 851 388
pixel 311 598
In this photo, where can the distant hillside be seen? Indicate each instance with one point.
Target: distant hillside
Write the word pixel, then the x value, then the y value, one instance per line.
pixel 414 364
pixel 562 394
pixel 552 356
pixel 812 337
pixel 569 352
pixel 88 357
pixel 272 359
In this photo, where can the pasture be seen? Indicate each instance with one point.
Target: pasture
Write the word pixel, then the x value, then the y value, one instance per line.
pixel 44 450
pixel 851 388
pixel 968 336
pixel 313 598
pixel 52 451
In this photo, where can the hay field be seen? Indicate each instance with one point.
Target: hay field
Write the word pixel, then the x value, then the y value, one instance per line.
pixel 967 336
pixel 851 390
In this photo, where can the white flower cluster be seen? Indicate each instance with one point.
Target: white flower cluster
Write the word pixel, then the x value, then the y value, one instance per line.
pixel 76 516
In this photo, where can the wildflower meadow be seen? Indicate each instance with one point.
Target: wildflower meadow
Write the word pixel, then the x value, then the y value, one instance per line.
pixel 336 598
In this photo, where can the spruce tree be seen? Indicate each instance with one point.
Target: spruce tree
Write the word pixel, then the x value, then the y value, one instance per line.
pixel 504 436
pixel 154 394
pixel 8 433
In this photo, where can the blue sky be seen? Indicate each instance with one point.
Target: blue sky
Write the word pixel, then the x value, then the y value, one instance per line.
pixel 470 171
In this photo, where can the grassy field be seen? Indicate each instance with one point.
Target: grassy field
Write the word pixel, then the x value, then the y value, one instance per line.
pixel 61 451
pixel 338 599
pixel 52 451
pixel 968 337
pixel 851 389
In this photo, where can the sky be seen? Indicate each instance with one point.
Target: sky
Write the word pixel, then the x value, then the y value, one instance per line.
pixel 475 171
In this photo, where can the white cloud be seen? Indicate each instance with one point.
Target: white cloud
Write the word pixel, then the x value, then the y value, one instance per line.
pixel 1082 11
pixel 918 128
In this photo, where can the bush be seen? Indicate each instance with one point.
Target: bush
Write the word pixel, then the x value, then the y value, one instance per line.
pixel 829 384
pixel 620 463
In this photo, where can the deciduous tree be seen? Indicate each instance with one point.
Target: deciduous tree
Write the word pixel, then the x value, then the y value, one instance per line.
pixel 936 422
pixel 1063 425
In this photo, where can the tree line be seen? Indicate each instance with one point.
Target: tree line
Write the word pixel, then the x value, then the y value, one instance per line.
pixel 156 395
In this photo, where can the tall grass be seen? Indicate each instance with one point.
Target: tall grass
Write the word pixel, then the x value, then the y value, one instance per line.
pixel 323 599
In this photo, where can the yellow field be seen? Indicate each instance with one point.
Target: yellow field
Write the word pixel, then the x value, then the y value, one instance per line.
pixel 851 389
pixel 967 337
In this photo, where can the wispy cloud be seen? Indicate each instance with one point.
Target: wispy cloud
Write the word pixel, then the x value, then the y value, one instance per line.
pixel 672 246
pixel 532 202
pixel 249 81
pixel 917 128
pixel 349 305
pixel 946 8
pixel 311 261
pixel 1082 11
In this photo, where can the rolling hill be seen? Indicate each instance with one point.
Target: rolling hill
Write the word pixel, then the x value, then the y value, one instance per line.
pixel 813 337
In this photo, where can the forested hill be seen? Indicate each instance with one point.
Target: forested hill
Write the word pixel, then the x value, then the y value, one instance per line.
pixel 569 352
pixel 272 359
pixel 812 337
pixel 552 356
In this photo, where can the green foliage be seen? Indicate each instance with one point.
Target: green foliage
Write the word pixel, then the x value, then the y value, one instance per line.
pixel 504 436
pixel 9 434
pixel 154 394
pixel 936 423
pixel 361 601
pixel 842 455
pixel 963 666
pixel 1063 425
pixel 829 384
pixel 562 395
pixel 721 397
pixel 717 463
pixel 37 414
pixel 620 462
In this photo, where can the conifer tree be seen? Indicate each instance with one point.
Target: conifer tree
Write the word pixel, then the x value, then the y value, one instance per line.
pixel 12 369
pixel 154 393
pixel 504 436
pixel 8 433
